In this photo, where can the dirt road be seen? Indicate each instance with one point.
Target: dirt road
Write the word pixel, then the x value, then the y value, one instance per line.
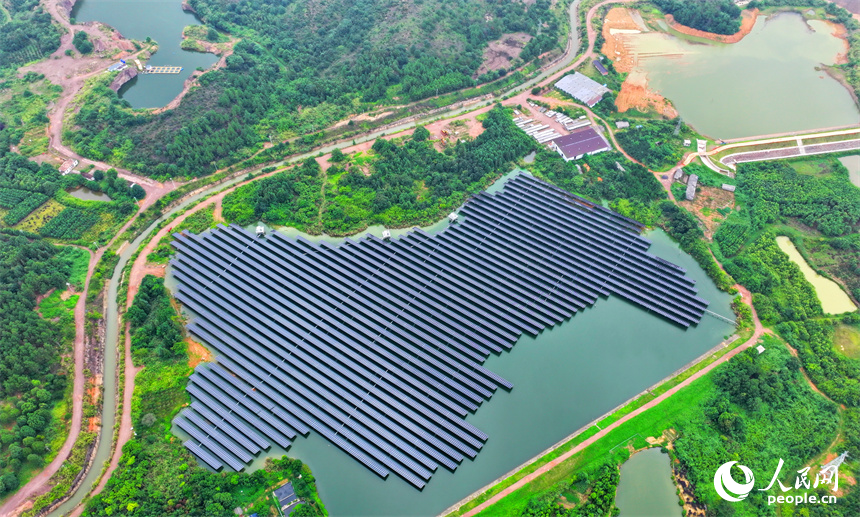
pixel 759 330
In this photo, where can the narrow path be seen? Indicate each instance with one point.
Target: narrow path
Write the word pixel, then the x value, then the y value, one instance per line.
pixel 139 270
pixel 759 330
pixel 38 485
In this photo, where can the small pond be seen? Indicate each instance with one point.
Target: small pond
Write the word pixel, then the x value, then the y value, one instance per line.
pixel 89 195
pixel 833 298
pixel 852 163
pixel 646 488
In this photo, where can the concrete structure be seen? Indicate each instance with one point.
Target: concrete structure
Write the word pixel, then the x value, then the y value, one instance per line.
pixel 730 188
pixel 622 124
pixel 581 142
pixel 582 88
pixel 691 187
pixel 68 166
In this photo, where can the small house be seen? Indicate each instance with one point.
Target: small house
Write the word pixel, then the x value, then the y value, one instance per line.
pixel 691 187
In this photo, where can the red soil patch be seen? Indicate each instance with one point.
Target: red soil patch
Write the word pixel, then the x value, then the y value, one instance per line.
pixel 748 19
pixel 197 353
pixel 635 94
pixel 840 32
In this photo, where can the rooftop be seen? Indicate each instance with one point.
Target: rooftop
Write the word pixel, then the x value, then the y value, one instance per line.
pixel 580 142
pixel 286 495
pixel 691 187
pixel 582 88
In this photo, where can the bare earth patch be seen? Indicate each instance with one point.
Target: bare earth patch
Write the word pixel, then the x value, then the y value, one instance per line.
pixel 501 52
pixel 705 206
pixel 197 353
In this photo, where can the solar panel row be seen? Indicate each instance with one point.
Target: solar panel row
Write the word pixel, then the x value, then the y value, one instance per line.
pixel 377 345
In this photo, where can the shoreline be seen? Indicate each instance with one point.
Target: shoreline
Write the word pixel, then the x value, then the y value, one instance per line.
pixel 748 20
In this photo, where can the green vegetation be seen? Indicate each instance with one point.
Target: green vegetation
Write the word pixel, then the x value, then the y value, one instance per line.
pixel 82 42
pixel 409 184
pixel 758 408
pixel 157 476
pixel 31 379
pixel 195 223
pixel 775 190
pixel 717 16
pixel 22 209
pixel 37 202
pixel 654 143
pixel 28 35
pixel 23 110
pixel 684 227
pixel 298 69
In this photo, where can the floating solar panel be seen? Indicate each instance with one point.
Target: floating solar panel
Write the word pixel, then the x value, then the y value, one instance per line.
pixel 377 345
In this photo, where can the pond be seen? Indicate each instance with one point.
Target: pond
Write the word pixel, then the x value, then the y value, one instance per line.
pixel 766 83
pixel 833 298
pixel 161 20
pixel 852 163
pixel 89 195
pixel 646 488
pixel 563 379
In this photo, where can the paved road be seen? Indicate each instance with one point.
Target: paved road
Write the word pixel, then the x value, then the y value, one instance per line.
pixel 759 330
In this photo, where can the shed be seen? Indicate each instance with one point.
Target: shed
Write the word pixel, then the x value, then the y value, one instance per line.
pixel 581 142
pixel 678 174
pixel 600 68
pixel 622 124
pixel 582 88
pixel 730 188
pixel 691 187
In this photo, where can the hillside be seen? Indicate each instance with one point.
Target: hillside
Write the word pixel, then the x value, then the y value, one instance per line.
pixel 302 66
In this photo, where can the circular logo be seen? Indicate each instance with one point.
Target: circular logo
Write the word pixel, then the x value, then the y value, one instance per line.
pixel 726 485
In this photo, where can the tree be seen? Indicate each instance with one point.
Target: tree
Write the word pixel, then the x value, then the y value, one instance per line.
pixel 137 191
pixel 337 156
pixel 98 175
pixel 82 42
pixel 420 134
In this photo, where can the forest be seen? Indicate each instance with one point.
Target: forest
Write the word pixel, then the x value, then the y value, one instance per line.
pixel 157 476
pixel 775 191
pixel 300 68
pixel 27 32
pixel 410 184
pixel 717 16
pixel 653 143
pixel 31 379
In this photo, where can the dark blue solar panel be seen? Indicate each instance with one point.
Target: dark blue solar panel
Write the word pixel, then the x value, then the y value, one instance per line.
pixel 377 346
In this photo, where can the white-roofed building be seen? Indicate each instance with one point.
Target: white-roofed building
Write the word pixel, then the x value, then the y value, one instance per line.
pixel 582 88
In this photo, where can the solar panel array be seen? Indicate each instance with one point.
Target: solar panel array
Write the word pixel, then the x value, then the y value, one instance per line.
pixel 377 345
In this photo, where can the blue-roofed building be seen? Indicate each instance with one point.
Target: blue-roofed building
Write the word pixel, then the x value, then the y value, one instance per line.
pixel 287 497
pixel 600 68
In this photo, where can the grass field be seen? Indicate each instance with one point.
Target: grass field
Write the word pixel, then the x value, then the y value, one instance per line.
pixel 847 341
pixel 813 166
pixel 80 263
pixel 40 216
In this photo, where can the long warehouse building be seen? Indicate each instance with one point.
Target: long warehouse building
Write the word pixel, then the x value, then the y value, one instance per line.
pixel 377 345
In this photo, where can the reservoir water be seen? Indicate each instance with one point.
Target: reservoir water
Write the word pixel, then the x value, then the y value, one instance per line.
pixel 646 488
pixel 766 83
pixel 161 20
pixel 564 378
pixel 833 298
